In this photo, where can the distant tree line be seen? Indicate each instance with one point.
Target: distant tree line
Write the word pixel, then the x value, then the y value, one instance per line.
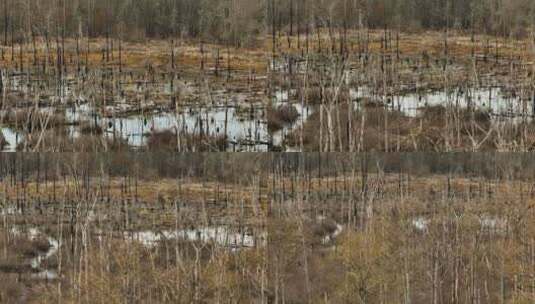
pixel 241 21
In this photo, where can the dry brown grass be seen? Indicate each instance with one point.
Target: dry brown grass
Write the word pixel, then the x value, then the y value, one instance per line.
pixel 157 53
pixel 154 53
pixel 416 43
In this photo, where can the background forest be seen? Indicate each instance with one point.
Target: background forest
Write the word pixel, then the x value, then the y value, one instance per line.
pixel 241 21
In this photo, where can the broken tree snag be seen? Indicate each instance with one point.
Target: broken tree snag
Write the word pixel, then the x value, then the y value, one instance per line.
pixel 172 54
